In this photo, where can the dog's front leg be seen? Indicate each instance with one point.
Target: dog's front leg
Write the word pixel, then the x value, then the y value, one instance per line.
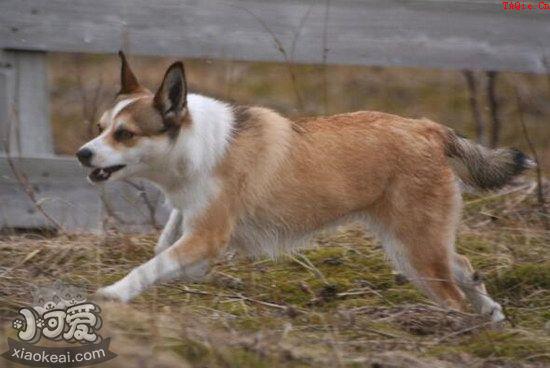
pixel 189 257
pixel 171 232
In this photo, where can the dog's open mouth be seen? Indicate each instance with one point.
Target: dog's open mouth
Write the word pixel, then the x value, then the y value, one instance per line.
pixel 102 174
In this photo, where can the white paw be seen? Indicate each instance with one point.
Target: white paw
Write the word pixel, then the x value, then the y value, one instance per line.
pixel 494 310
pixel 497 315
pixel 111 293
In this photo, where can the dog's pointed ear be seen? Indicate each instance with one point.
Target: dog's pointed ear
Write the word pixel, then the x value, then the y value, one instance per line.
pixel 171 97
pixel 128 81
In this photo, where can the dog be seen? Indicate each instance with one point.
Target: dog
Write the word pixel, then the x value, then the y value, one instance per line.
pixel 247 178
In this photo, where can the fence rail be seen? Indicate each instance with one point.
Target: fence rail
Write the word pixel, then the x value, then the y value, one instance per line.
pixel 60 189
pixel 459 34
pixel 424 33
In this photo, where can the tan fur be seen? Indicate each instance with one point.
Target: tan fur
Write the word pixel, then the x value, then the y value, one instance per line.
pixel 298 177
pixel 211 235
pixel 302 179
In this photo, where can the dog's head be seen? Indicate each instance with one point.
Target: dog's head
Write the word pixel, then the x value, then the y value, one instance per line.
pixel 138 131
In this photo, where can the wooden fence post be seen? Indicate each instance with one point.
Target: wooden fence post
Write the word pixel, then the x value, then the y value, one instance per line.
pixel 24 104
pixel 6 101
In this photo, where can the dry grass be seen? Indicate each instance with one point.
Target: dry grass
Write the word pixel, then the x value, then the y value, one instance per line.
pixel 338 304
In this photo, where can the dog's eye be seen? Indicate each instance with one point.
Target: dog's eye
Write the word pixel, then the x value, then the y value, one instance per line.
pixel 99 128
pixel 123 135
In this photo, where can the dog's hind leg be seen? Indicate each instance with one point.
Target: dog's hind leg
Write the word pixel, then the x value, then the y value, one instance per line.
pixel 426 262
pixel 416 222
pixel 171 232
pixel 471 284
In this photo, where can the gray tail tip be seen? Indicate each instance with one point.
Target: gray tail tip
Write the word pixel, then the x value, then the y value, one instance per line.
pixel 522 161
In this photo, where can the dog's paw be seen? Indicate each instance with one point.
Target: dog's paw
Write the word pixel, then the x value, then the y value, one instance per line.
pixel 109 293
pixel 497 315
pixel 494 311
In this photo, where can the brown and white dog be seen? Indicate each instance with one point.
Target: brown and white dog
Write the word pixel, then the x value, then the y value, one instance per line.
pixel 250 179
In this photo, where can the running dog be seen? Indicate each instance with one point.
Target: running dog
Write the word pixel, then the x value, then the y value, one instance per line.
pixel 247 178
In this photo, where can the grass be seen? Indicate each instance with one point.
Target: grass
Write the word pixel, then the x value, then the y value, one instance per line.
pixel 336 304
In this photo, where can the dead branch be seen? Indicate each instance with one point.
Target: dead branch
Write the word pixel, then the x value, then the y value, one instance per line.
pixel 494 108
pixel 110 212
pixel 239 296
pixel 286 58
pixel 151 208
pixel 325 56
pixel 474 106
pixel 538 170
pixel 89 102
pixel 463 331
pixel 24 182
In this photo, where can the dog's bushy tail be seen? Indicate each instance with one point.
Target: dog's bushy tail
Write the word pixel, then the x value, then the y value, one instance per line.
pixel 481 167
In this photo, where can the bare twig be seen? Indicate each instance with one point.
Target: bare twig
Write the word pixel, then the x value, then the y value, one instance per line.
pixel 493 108
pixel 325 56
pixel 29 191
pixel 286 58
pixel 500 194
pixel 538 169
pixel 90 102
pixel 110 212
pixel 363 291
pixel 24 182
pixel 474 106
pixel 381 333
pixel 151 208
pixel 463 331
pixel 306 263
pixel 234 297
pixel 298 31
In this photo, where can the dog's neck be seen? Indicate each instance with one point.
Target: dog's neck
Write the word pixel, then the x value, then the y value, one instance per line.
pixel 206 141
pixel 198 148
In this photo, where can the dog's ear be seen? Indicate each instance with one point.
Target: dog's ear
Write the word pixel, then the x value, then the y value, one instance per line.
pixel 171 97
pixel 128 81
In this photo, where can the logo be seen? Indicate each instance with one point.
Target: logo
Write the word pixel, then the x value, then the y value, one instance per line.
pixel 59 313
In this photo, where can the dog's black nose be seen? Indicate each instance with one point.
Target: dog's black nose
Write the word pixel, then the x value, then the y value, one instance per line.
pixel 84 155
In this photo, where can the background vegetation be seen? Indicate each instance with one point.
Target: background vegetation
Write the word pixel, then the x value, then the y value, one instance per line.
pixel 338 304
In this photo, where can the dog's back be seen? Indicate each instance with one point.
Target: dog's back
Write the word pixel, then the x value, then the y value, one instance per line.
pixel 311 172
pixel 308 174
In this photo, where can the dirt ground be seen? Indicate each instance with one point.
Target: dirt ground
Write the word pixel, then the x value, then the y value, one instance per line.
pixel 337 304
